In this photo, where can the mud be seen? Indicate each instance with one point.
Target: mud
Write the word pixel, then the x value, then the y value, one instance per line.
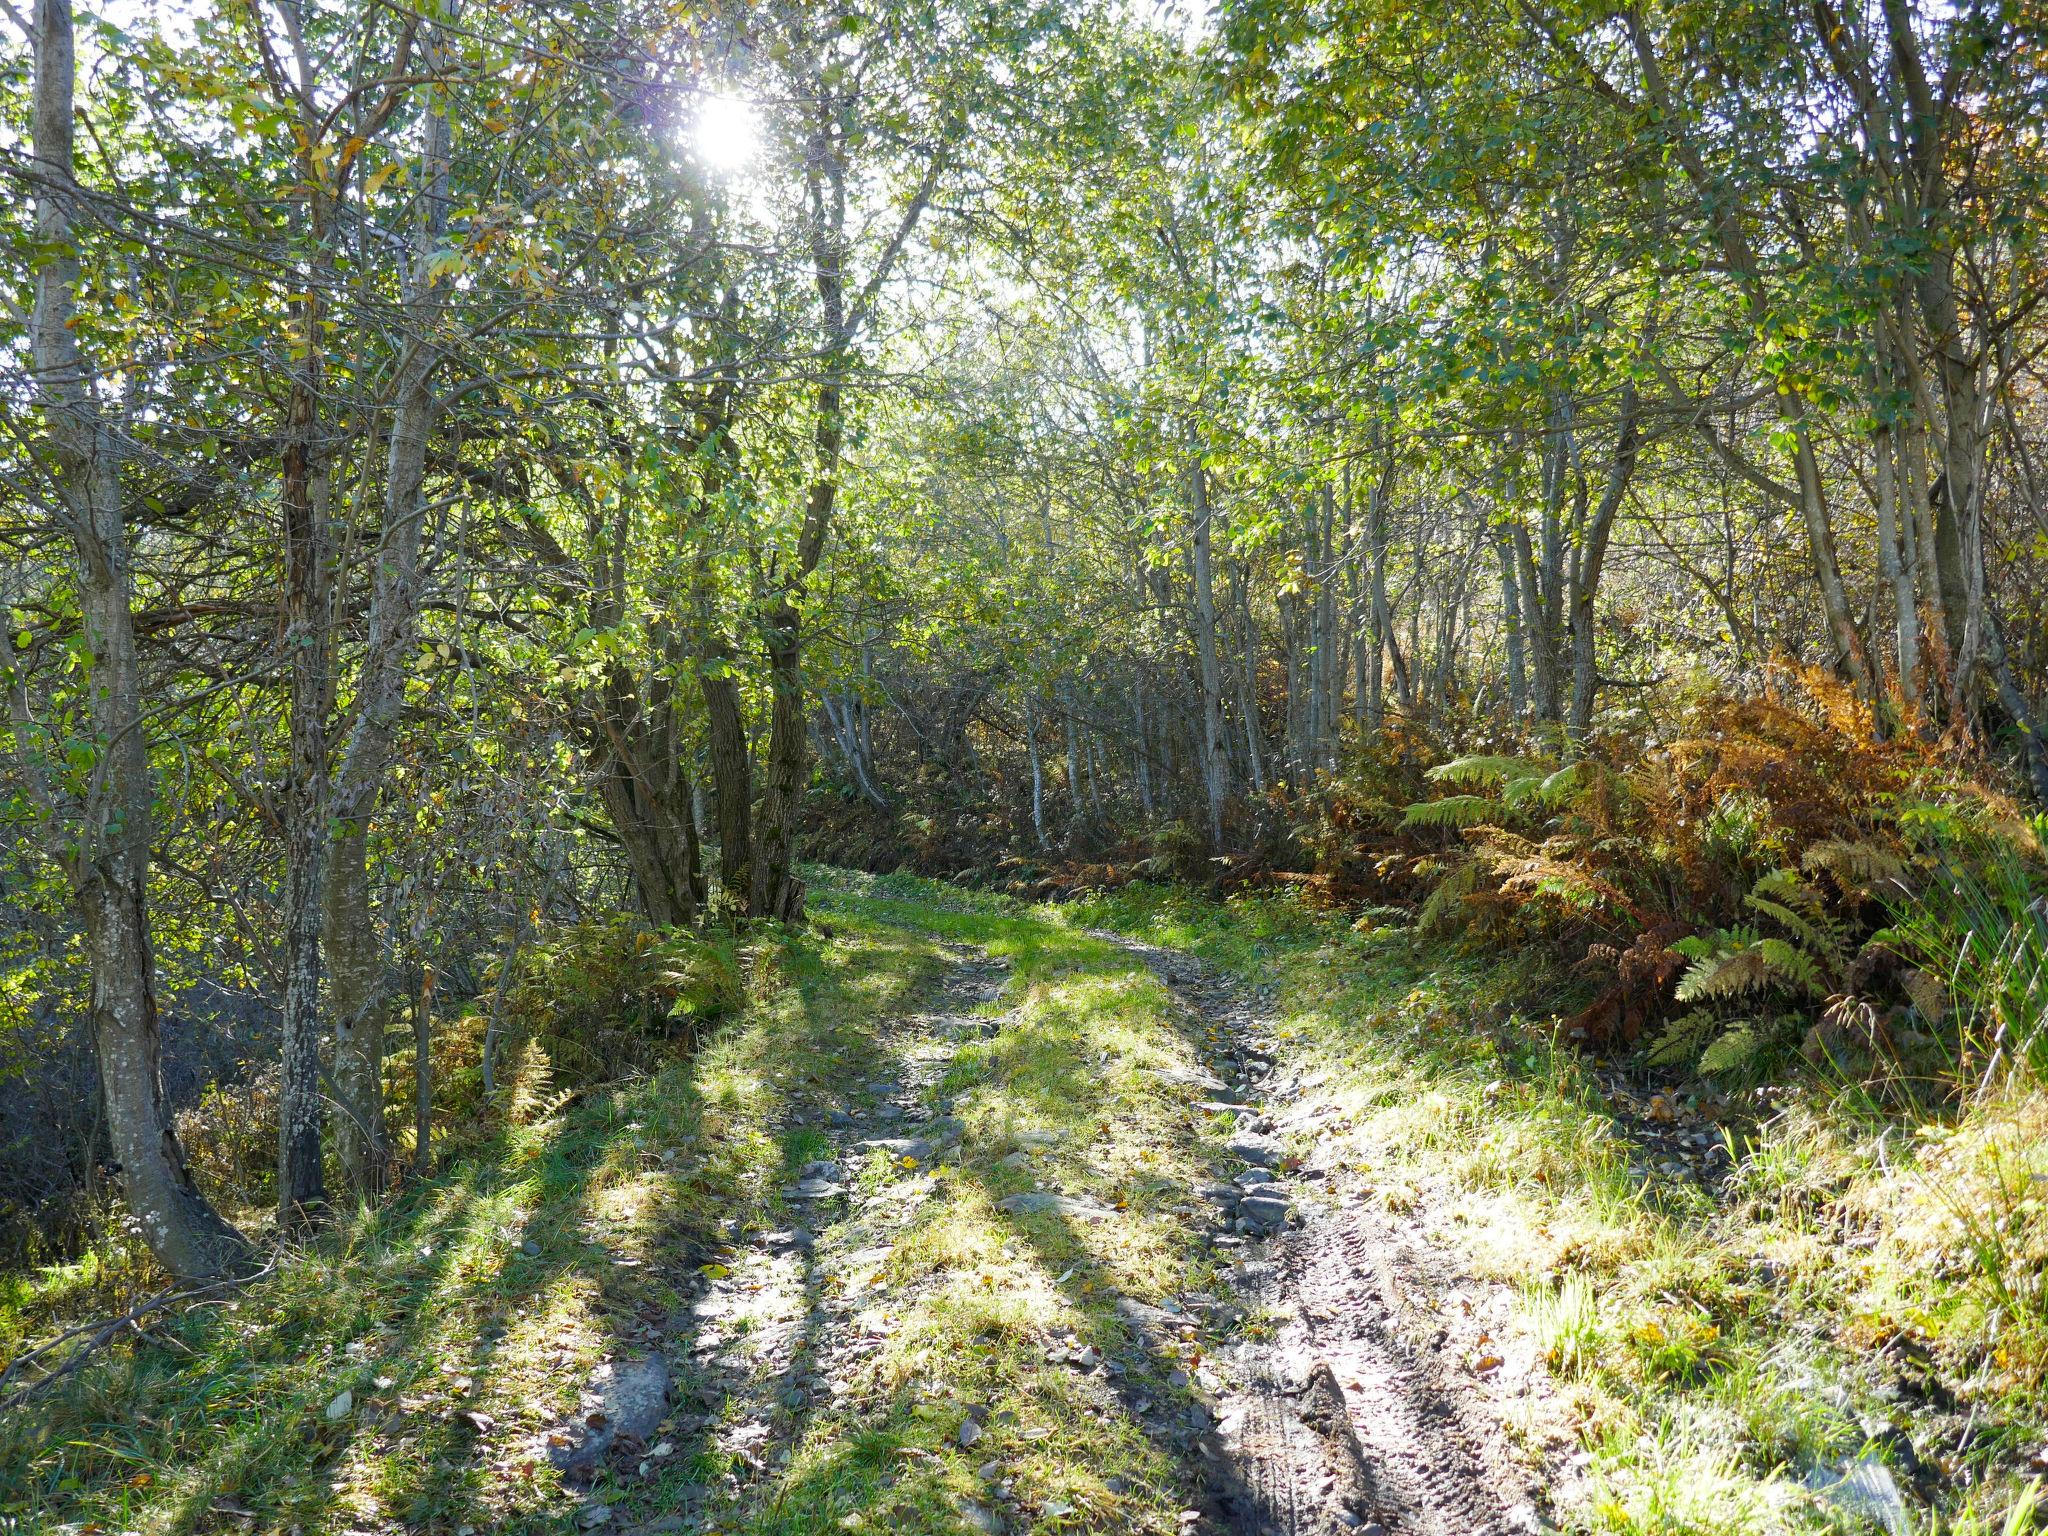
pixel 1359 1407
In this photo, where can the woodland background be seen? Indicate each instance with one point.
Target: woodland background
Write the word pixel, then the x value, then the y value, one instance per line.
pixel 490 489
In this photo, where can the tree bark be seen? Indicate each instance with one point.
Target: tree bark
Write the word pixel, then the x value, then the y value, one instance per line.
pixel 356 989
pixel 1212 744
pixel 106 858
pixel 1591 555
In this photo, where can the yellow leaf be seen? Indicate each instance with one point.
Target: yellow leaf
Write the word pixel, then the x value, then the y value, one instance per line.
pixel 378 177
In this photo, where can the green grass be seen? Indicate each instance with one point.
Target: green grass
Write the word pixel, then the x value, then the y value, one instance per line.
pixel 1705 1349
pixel 457 1346
pixel 460 1349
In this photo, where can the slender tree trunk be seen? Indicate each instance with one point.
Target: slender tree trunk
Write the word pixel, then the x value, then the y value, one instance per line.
pixel 1591 557
pixel 423 1076
pixel 1248 695
pixel 1037 769
pixel 1511 620
pixel 356 996
pixel 308 568
pixel 356 989
pixel 106 857
pixel 1144 754
pixel 1213 752
pixel 1896 567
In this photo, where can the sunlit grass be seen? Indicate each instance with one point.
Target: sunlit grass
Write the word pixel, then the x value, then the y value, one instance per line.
pixel 1708 1348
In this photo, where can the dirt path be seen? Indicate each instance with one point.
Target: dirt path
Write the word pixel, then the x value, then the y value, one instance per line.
pixel 790 1314
pixel 1345 1400
pixel 1357 1410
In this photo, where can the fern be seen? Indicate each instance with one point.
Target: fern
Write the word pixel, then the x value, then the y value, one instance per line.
pixel 1482 770
pixel 1447 900
pixel 1682 1037
pixel 1725 975
pixel 1803 912
pixel 1734 1049
pixel 1854 866
pixel 1451 811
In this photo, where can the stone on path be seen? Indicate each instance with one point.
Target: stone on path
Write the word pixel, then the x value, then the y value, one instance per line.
pixel 625 1400
pixel 1036 1201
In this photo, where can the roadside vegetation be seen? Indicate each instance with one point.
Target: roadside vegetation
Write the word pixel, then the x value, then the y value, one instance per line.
pixel 1730 1288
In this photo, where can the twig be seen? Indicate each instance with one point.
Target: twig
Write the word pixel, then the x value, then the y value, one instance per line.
pixel 98 1335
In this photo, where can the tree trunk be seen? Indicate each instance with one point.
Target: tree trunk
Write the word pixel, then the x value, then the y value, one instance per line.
pixel 350 935
pixel 1591 556
pixel 780 891
pixel 1213 748
pixel 1511 620
pixel 1893 534
pixel 356 997
pixel 1248 695
pixel 106 858
pixel 308 570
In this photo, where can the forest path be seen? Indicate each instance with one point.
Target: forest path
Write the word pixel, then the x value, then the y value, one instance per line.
pixel 1310 1374
pixel 1351 1409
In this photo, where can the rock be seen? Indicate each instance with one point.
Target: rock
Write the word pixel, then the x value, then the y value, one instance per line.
pixel 1033 1139
pixel 1222 1104
pixel 594 1516
pixel 1225 1195
pixel 1254 1149
pixel 1035 1201
pixel 914 1147
pixel 821 1168
pixel 631 1397
pixel 795 1239
pixel 530 1248
pixel 342 1405
pixel 979 1517
pixel 970 1432
pixel 839 1119
pixel 812 1189
pixel 1264 1211
pixel 1191 1077
pixel 1015 1160
pixel 1139 1315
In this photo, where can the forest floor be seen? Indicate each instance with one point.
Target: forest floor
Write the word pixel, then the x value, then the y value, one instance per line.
pixel 985 1218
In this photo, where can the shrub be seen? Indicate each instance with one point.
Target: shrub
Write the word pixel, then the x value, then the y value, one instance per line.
pixel 1775 878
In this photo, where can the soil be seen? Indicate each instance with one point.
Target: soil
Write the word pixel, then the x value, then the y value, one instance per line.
pixel 1365 1408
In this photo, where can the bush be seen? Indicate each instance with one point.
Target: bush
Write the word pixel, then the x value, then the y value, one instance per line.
pixel 1776 879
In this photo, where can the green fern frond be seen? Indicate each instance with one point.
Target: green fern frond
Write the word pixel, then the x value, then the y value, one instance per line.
pixel 1481 770
pixel 1446 903
pixel 1734 1049
pixel 1682 1037
pixel 1746 970
pixel 1854 865
pixel 1790 963
pixel 1451 811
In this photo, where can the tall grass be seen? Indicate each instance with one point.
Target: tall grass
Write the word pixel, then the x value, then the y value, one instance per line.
pixel 1981 927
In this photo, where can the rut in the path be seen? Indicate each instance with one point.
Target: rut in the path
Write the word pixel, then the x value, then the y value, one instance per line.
pixel 1350 1415
pixel 793 1313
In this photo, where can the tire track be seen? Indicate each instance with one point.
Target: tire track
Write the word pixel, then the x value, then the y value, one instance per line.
pixel 1346 1412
